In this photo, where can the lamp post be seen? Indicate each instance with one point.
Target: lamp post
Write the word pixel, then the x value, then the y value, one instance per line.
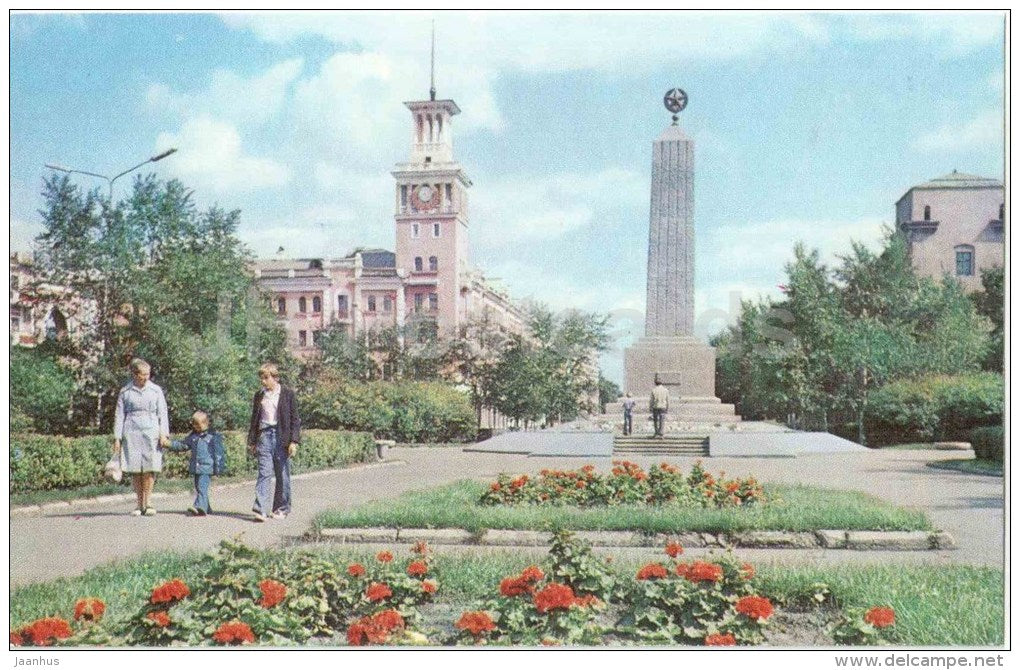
pixel 110 180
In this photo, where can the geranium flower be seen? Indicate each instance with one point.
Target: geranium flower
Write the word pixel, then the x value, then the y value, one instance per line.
pixel 475 623
pixel 375 629
pixel 652 571
pixel 16 639
pixel 384 557
pixel 700 571
pixel 170 592
pixel 755 607
pixel 377 592
pixel 682 569
pixel 89 609
pixel 44 632
pixel 554 597
pixel 356 570
pixel 160 618
pixel 273 593
pixel 880 617
pixel 532 573
pixel 747 571
pixel 421 548
pixel 674 549
pixel 234 632
pixel 514 586
pixel 417 569
pixel 389 620
pixel 720 640
pixel 494 486
pixel 429 586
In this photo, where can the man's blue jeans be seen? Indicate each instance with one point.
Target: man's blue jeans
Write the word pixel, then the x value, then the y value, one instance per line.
pixel 273 462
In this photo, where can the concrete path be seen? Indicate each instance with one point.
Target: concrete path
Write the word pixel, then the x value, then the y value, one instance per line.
pixel 68 541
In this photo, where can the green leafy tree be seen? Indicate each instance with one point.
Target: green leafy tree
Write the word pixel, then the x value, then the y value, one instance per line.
pixel 42 390
pixel 609 392
pixel 990 303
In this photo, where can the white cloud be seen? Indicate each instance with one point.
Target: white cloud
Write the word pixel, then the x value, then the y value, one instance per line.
pixel 951 33
pixel 981 132
pixel 23 234
pixel 211 156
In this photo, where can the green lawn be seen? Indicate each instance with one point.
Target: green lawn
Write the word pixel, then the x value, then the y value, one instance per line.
pixel 943 605
pixel 971 466
pixel 794 508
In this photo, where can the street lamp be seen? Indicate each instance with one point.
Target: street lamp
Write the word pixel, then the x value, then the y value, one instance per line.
pixel 157 157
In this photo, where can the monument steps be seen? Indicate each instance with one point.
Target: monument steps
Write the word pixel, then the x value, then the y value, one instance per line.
pixel 670 445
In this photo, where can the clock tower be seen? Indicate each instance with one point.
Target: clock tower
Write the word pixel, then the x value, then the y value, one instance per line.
pixel 431 218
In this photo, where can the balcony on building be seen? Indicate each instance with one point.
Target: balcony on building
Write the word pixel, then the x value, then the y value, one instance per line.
pixel 918 229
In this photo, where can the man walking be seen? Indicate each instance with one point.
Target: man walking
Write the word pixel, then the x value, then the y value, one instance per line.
pixel 628 414
pixel 659 402
pixel 273 437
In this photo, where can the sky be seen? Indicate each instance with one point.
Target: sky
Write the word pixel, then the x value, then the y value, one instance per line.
pixel 807 127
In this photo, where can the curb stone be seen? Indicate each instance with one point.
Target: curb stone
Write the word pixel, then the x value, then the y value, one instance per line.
pixel 29 510
pixel 436 535
pixel 895 540
pixel 832 539
pixel 775 539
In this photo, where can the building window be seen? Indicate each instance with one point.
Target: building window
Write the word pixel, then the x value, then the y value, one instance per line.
pixel 341 306
pixel 316 305
pixel 403 198
pixel 302 305
pixel 927 212
pixel 964 261
pixel 414 230
pixel 417 264
pixel 419 301
pixel 387 304
pixel 302 338
pixel 433 302
pixel 281 306
pixel 433 264
pixel 449 197
pixel 435 230
pixel 371 303
pixel 1002 217
pixel 317 338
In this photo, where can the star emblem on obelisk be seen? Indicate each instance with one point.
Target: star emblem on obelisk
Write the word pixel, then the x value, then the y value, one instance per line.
pixel 675 100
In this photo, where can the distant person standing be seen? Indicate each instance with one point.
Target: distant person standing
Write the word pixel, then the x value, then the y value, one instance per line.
pixel 273 437
pixel 141 427
pixel 628 414
pixel 659 402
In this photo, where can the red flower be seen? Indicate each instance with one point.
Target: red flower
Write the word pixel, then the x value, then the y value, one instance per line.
pixel 234 632
pixel 720 640
pixel 674 549
pixel 160 618
pixel 417 569
pixel 554 597
pixel 377 592
pixel 356 634
pixel 494 486
pixel 388 620
pixel 880 617
pixel 375 629
pixel 475 623
pixel 682 569
pixel 420 548
pixel 170 592
pixel 273 593
pixel 704 572
pixel 384 557
pixel 514 586
pixel 747 571
pixel 755 607
pixel 356 570
pixel 652 571
pixel 44 632
pixel 429 586
pixel 90 609
pixel 532 573
pixel 16 639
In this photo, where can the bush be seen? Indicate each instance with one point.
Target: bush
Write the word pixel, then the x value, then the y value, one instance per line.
pixel 44 462
pixel 989 443
pixel 936 407
pixel 402 411
pixel 41 390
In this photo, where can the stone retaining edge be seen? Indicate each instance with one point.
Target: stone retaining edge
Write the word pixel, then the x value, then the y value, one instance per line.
pixel 29 510
pixel 772 539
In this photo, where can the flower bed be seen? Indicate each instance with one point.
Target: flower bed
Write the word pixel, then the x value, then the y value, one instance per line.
pixel 628 483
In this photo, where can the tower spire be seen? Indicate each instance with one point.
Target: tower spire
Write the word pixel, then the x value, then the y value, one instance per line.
pixel 432 68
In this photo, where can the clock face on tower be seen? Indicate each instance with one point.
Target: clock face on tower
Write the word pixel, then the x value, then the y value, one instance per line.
pixel 425 193
pixel 425 198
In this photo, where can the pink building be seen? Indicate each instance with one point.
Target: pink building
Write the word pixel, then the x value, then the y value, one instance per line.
pixel 427 284
pixel 954 225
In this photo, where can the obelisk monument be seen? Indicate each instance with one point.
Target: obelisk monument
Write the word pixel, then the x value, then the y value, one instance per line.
pixel 669 349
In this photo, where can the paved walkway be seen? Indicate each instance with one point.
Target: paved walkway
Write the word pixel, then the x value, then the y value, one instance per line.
pixel 69 541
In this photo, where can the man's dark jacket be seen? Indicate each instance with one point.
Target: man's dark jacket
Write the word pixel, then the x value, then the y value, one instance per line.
pixel 288 423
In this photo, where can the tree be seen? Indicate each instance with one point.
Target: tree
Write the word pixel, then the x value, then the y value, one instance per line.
pixel 344 354
pixel 42 389
pixel 990 303
pixel 609 391
pixel 167 283
pixel 471 359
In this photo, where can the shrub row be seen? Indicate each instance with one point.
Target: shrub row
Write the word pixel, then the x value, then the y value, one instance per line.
pixel 44 462
pixel 402 411
pixel 937 407
pixel 989 442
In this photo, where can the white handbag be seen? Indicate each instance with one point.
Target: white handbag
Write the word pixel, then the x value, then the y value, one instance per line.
pixel 112 470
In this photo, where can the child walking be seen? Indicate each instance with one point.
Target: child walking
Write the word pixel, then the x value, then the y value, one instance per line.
pixel 208 458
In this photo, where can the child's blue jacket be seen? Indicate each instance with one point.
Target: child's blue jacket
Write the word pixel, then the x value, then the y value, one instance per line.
pixel 208 455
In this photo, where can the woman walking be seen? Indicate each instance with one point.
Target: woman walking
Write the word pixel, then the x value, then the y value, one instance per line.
pixel 140 429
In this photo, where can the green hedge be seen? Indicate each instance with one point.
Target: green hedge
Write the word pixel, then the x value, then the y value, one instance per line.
pixel 45 462
pixel 937 407
pixel 989 442
pixel 401 411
